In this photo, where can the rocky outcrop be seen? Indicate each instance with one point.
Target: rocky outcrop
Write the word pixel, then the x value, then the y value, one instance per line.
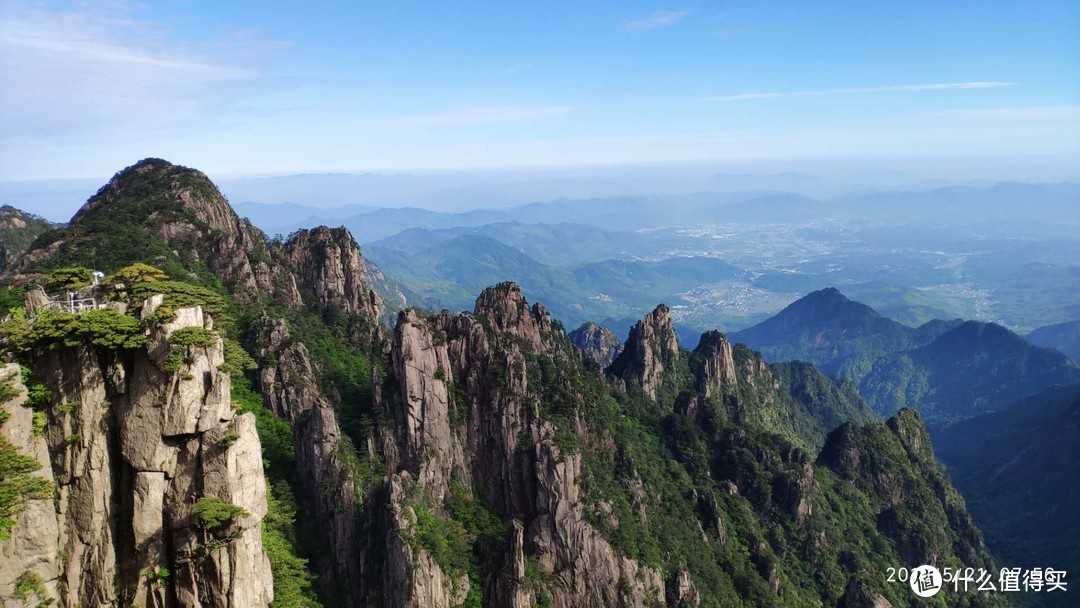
pixel 465 405
pixel 505 310
pixel 31 551
pixel 685 593
pixel 591 572
pixel 650 351
pixel 598 342
pixel 859 594
pixel 715 363
pixel 330 270
pixel 134 450
pixel 324 483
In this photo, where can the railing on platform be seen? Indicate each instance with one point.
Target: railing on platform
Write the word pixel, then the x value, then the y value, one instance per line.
pixel 72 305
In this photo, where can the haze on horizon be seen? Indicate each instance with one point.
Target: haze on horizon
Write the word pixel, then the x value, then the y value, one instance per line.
pixel 244 89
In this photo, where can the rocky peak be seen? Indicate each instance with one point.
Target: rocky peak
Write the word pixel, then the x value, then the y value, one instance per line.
pixel 909 427
pixel 715 363
pixel 651 349
pixel 184 192
pixel 505 310
pixel 598 342
pixel 330 268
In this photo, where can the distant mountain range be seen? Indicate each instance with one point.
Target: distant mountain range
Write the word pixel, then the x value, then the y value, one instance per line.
pixel 948 370
pixel 1053 203
pixel 444 275
pixel 840 336
pixel 1065 337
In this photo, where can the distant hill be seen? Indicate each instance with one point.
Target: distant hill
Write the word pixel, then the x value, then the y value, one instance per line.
pixel 1064 337
pixel 554 244
pixel 446 274
pixel 972 369
pixel 839 335
pixel 1017 469
pixel 18 230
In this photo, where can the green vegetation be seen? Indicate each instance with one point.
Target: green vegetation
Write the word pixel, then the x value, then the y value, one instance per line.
pixel 972 369
pixel 18 230
pixel 118 225
pixel 214 513
pixel 183 340
pixel 1017 469
pixel 449 274
pixel 293 584
pixel 68 279
pixel 733 495
pixel 30 583
pixel 839 336
pixel 104 328
pixel 181 295
pixel 159 577
pixel 136 273
pixel 18 484
pixel 1065 337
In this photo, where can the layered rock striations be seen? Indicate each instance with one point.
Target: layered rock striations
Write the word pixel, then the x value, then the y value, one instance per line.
pixel 650 352
pixel 137 448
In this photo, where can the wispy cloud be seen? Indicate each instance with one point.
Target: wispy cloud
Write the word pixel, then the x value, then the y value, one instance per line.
pixel 655 21
pixel 1037 113
pixel 936 86
pixel 100 73
pixel 473 115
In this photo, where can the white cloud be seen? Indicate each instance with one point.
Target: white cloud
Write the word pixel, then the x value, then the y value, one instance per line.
pixel 101 74
pixel 655 21
pixel 1029 114
pixel 939 86
pixel 473 115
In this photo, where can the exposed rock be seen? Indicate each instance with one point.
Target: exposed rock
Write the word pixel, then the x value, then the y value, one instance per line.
pixel 860 595
pixel 715 363
pixel 598 342
pixel 132 448
pixel 33 546
pixel 505 309
pixel 685 593
pixel 415 579
pixel 324 484
pixel 329 267
pixel 651 350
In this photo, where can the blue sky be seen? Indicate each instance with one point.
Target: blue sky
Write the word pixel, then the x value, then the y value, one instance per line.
pixel 253 88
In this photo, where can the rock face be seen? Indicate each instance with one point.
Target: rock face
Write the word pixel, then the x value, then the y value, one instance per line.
pixel 32 551
pixel 598 342
pixel 460 460
pixel 469 424
pixel 291 391
pixel 329 265
pixel 651 350
pixel 859 595
pixel 133 451
pixel 715 363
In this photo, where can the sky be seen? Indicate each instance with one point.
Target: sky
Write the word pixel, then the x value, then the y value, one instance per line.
pixel 273 87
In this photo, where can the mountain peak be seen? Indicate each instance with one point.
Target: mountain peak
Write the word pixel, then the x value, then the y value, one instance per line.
pixel 154 191
pixel 597 341
pixel 716 362
pixel 651 348
pixel 829 330
pixel 505 309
